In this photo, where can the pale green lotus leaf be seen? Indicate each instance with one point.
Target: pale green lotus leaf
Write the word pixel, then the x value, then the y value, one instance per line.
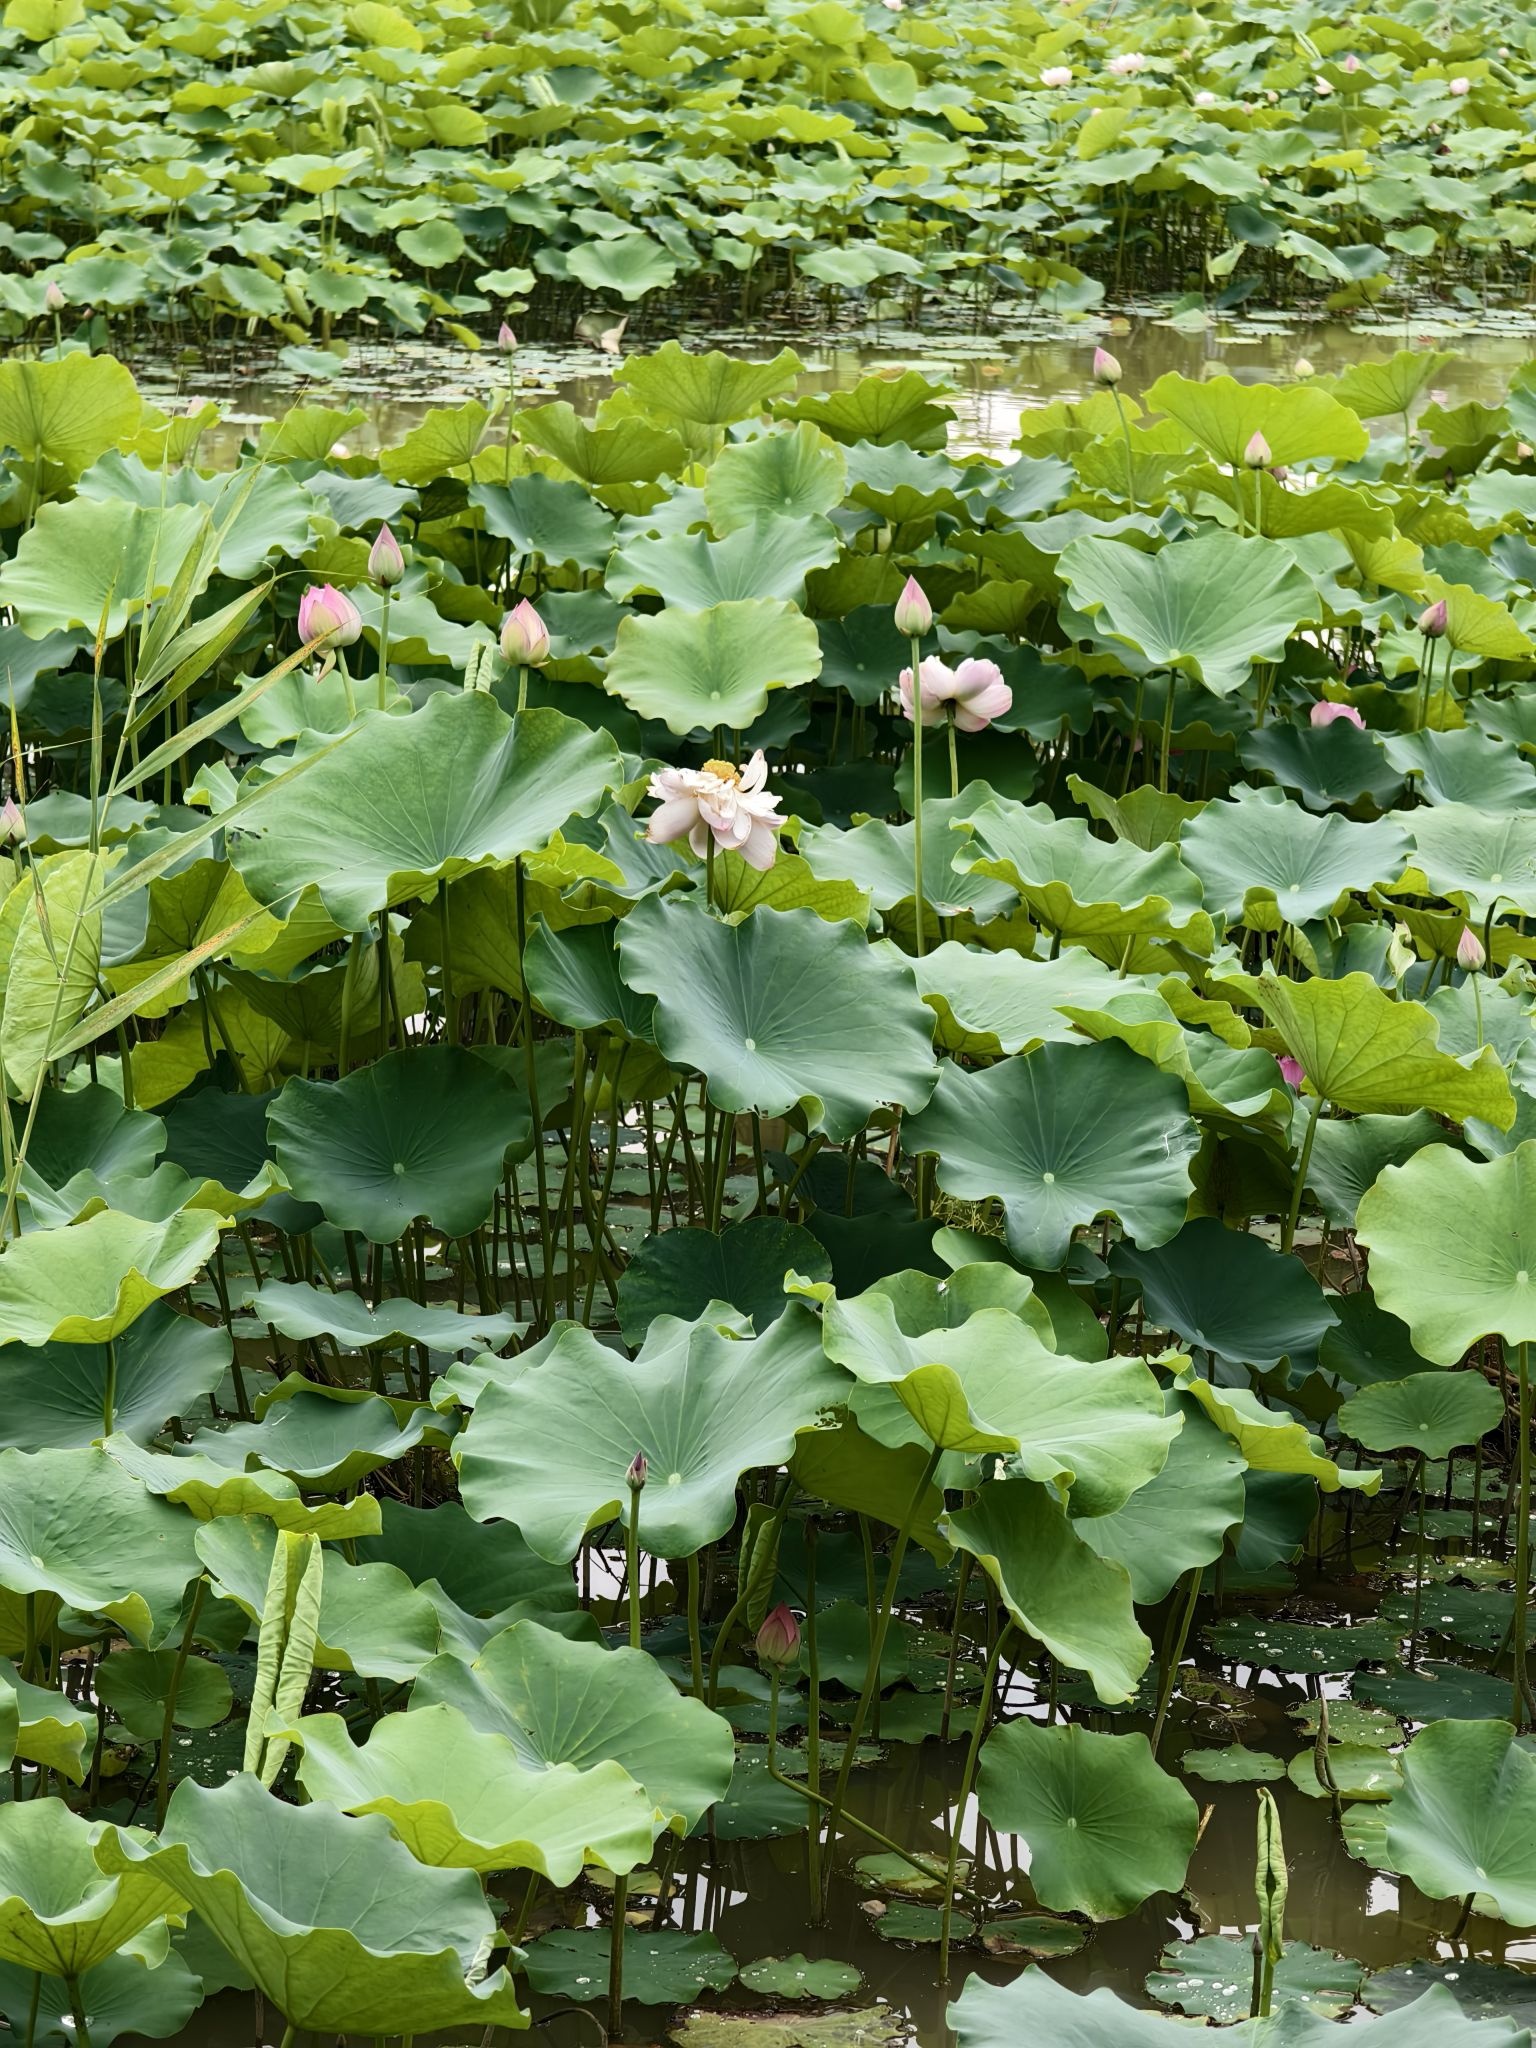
pixel 714 667
pixel 86 1283
pixel 63 1908
pixel 1298 422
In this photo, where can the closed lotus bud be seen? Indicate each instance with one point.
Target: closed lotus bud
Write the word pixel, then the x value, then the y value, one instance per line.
pixel 1292 1070
pixel 1401 954
pixel 1106 370
pixel 54 298
pixel 1256 455
pixel 1321 87
pixel 13 827
pixel 1434 619
pixel 524 636
pixel 778 1640
pixel 386 564
pixel 1351 62
pixel 913 614
pixel 635 1477
pixel 506 340
pixel 1469 951
pixel 1460 87
pixel 328 615
pixel 1304 367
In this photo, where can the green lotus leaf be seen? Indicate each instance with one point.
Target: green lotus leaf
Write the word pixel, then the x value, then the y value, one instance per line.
pixel 1270 1440
pixel 711 390
pixel 689 572
pixel 1240 1083
pixel 482 788
pixel 64 1907
pixel 1229 1293
pixel 1299 422
pixel 486 1569
pixel 797 1976
pixel 630 265
pixel 462 1800
pixel 52 1396
pixel 549 1449
pixel 86 559
pixel 422 1132
pixel 1213 1978
pixel 662 1966
pixel 713 667
pixel 1233 1765
pixel 869 2027
pixel 1080 887
pixel 1181 1518
pixel 1453 1248
pixel 1208 608
pixel 1376 387
pixel 791 474
pixel 135 1684
pixel 680 1272
pixel 1263 861
pixel 868 1477
pixel 1467 767
pixel 333 1917
pixel 1358 1771
pixel 990 1003
pixel 1063 1135
pixel 300 1311
pixel 209 1490
pixel 561 1703
pixel 1432 1413
pixel 890 412
pixel 68 411
pixel 783 1011
pixel 625 452
pixel 127 1994
pixel 556 521
pixel 1058 1591
pixel 1477 858
pixel 1107 1827
pixel 1349 1155
pixel 574 976
pixel 1462 1822
pixel 75 1527
pixel 880 859
pixel 327 1439
pixel 51 1730
pixel 86 1283
pixel 1488 1991
pixel 1325 765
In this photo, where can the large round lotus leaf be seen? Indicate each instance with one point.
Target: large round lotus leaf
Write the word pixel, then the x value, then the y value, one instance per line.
pixel 797 1976
pixel 75 1526
pixel 1432 1413
pixel 541 516
pixel 339 1925
pixel 406 800
pixel 630 265
pixel 550 1449
pixel 135 1684
pixel 86 1283
pixel 560 1702
pixel 1364 1050
pixel 1464 1820
pixel 1181 1517
pixel 792 473
pixel 326 1438
pixel 709 390
pixel 484 1567
pixel 1485 1990
pixel 123 1995
pixel 1229 1293
pixel 1207 608
pixel 574 976
pixel 1299 422
pixel 879 857
pixel 62 1909
pixel 1034 2007
pixel 68 411
pixel 1213 1977
pixel 783 1011
pixel 1056 1588
pixel 1476 858
pixel 1453 1248
pixel 690 572
pixel 1349 1154
pixel 1263 860
pixel 208 1490
pixel 463 1800
pixel 711 668
pixel 1062 1135
pixel 680 1272
pixel 422 1132
pixel 1106 1825
pixel 296 1310
pixel 88 1130
pixel 990 1003
pixel 84 560
pixel 662 1966
pixel 52 1398
pixel 1080 887
pixel 852 1470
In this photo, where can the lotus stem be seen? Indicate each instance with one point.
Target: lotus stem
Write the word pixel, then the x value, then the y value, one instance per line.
pixel 616 1957
pixel 383 680
pixel 1130 455
pixel 813 1717
pixel 917 796
pixel 1518 1712
pixel 695 1646
pixel 77 2007
pixel 37 1993
pixel 954 763
pixel 979 1727
pixel 1170 1670
pixel 632 1565
pixel 183 1651
pixel 1288 1235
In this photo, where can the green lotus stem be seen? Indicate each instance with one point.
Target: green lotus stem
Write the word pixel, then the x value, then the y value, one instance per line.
pixel 952 1664
pixel 616 1958
pixel 979 1723
pixel 1418 1571
pixel 1288 1235
pixel 1477 1005
pixel 1167 746
pixel 77 2007
pixel 876 1650
pixel 383 681
pixel 632 1565
pixel 522 689
pixel 813 1716
pixel 917 795
pixel 954 763
pixel 346 684
pixel 1522 1538
pixel 530 1070
pixel 167 1721
pixel 109 1390
pixel 37 1993
pixel 738 1606
pixel 1175 1655
pixel 695 1646
pixel 1130 453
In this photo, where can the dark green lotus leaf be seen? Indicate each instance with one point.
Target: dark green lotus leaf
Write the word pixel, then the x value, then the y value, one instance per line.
pixel 126 1994
pixel 1473 1615
pixel 86 1283
pixel 579 1704
pixel 1432 1690
pixel 1063 1135
pixel 327 1439
pixel 662 1966
pixel 1233 1765
pixel 1350 1153
pixel 1213 1978
pixel 879 858
pixel 1486 1991
pixel 755 1807
pixel 335 1920
pixel 1229 1293
pixel 1325 765
pixel 1367 1345
pixel 64 1906
pixel 89 1130
pixel 1465 1819
pixel 300 1311
pixel 1181 1518
pixel 906 1920
pixel 462 1799
pixel 797 1976
pixel 549 1450
pixel 680 1272
pixel 1432 1413
pixel 421 1132
pixel 574 976
pixel 53 1397
pixel 783 1011
pixel 485 1568
pixel 208 1490
pixel 1264 861
pixel 135 1684
pixel 1290 1646
pixel 454 786
pixel 1107 1827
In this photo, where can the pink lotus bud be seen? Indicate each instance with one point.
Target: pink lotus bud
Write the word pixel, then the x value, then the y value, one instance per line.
pixel 1434 620
pixel 329 616
pixel 506 340
pixel 386 564
pixel 1331 714
pixel 1257 455
pixel 778 1640
pixel 54 299
pixel 1351 63
pixel 1106 370
pixel 524 636
pixel 1459 88
pixel 1291 1071
pixel 913 614
pixel 1469 951
pixel 639 1467
pixel 13 826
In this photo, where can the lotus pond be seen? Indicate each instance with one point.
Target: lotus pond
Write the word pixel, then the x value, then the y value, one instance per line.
pixel 770 1202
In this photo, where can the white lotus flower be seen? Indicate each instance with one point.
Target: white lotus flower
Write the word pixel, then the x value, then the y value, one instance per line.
pixel 1460 87
pixel 1055 75
pixel 1127 64
pixel 718 798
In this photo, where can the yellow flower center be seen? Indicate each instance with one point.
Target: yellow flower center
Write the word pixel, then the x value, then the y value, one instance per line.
pixel 724 770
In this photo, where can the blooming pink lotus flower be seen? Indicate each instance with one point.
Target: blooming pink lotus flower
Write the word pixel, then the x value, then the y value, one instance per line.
pixel 524 636
pixel 1127 64
pixel 1330 714
pixel 1459 88
pixel 1292 1071
pixel 328 615
pixel 1056 75
pixel 729 802
pixel 974 692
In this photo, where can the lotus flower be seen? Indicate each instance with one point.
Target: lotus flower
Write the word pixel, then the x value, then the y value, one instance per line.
pixel 1470 954
pixel 328 615
pixel 778 1640
pixel 973 692
pixel 1257 454
pixel 1106 368
pixel 1292 1071
pixel 1434 620
pixel 1330 714
pixel 1205 99
pixel 1056 75
pixel 638 1472
pixel 53 298
pixel 524 637
pixel 1127 64
pixel 1304 367
pixel 386 563
pixel 1351 63
pixel 506 340
pixel 729 802
pixel 913 615
pixel 13 826
pixel 1459 88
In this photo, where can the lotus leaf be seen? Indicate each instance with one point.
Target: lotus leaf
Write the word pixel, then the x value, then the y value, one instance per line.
pixel 661 1966
pixel 1214 1977
pixel 1461 1822
pixel 1429 1412
pixel 52 1397
pixel 64 1906
pixel 713 667
pixel 127 1994
pixel 86 1283
pixel 682 1271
